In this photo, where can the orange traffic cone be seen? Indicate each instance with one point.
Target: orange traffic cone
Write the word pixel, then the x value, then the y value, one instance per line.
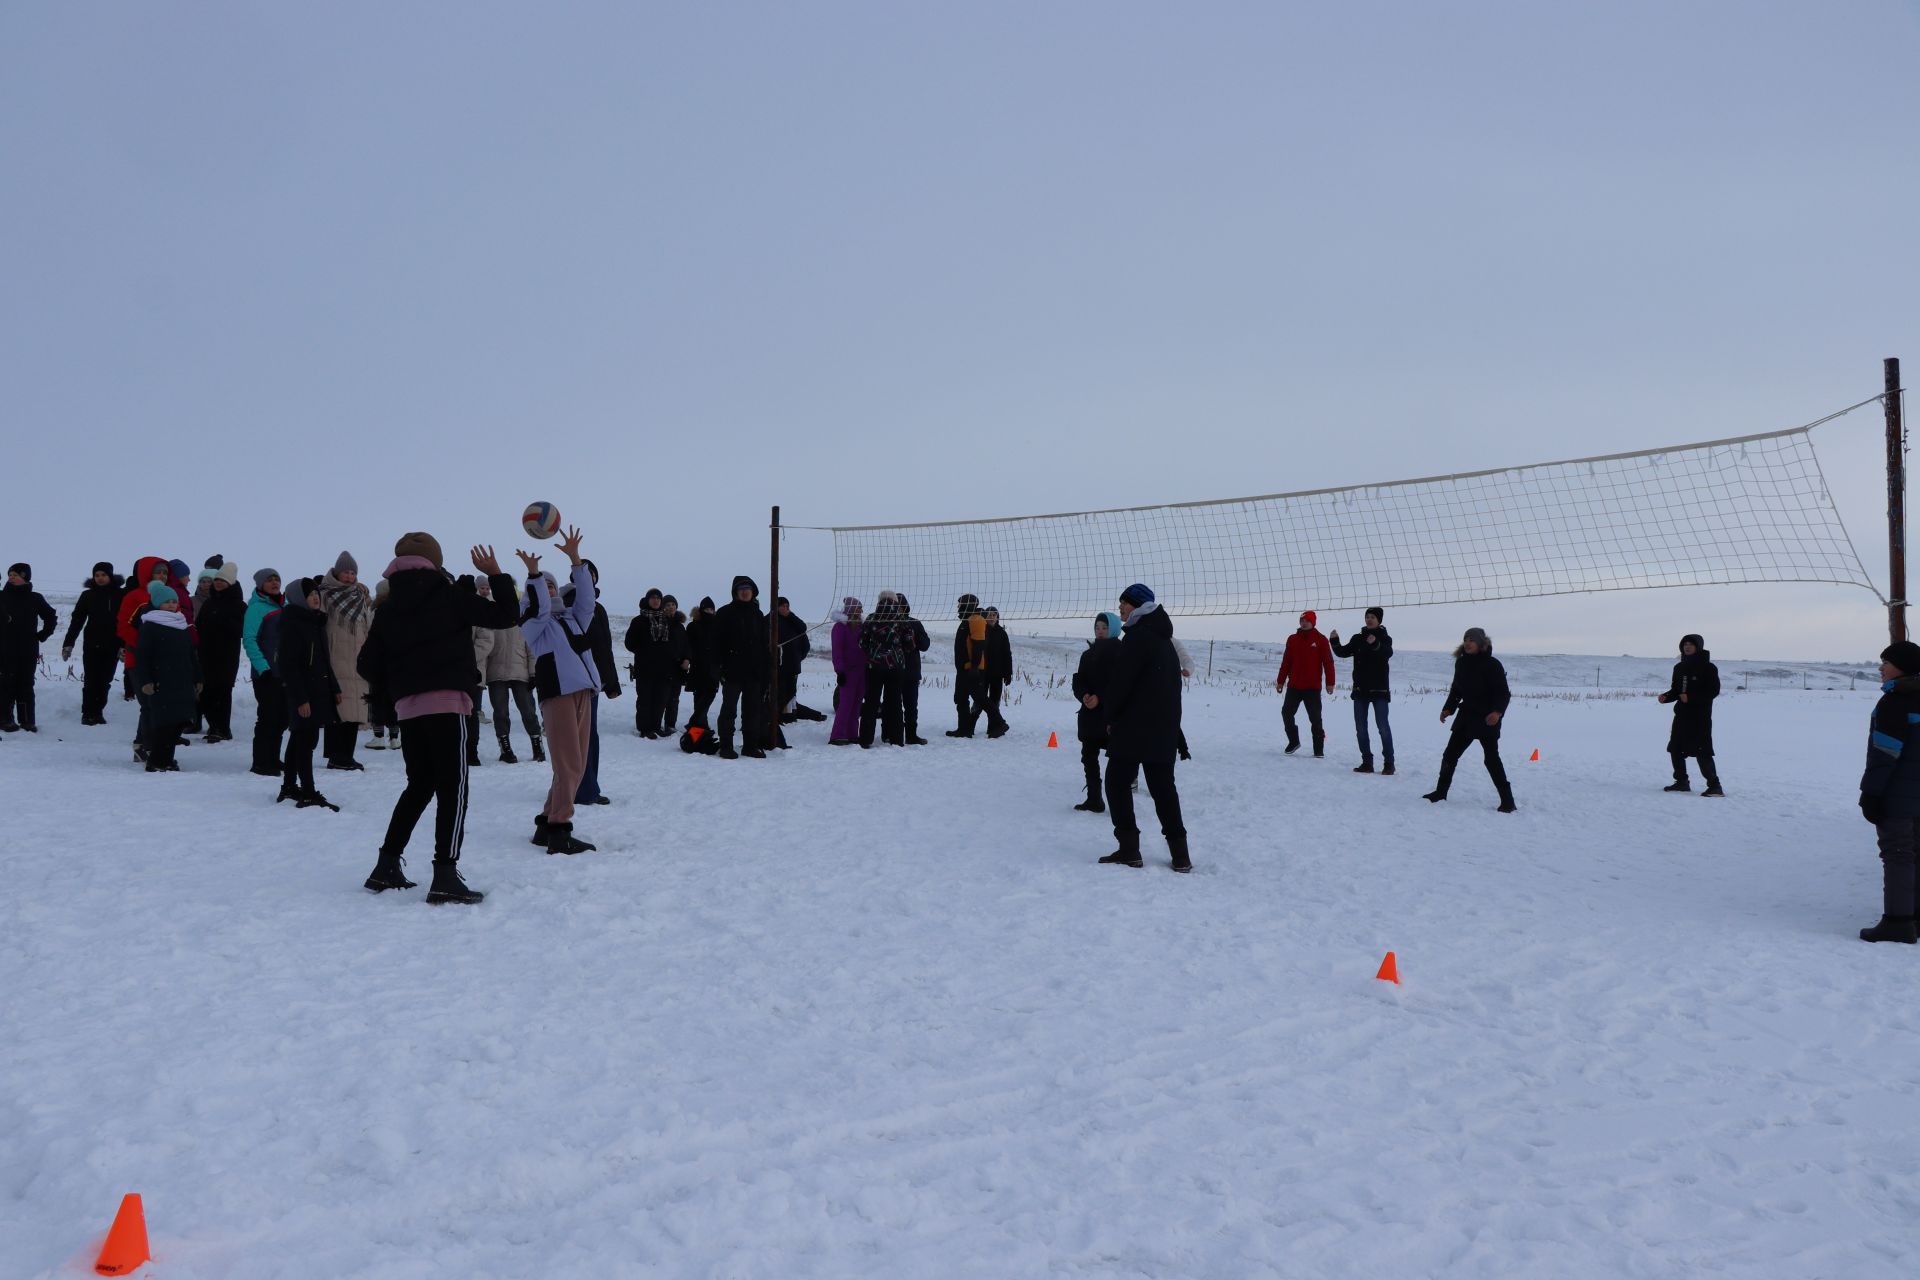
pixel 694 731
pixel 126 1246
pixel 1389 971
pixel 1535 757
pixel 1053 740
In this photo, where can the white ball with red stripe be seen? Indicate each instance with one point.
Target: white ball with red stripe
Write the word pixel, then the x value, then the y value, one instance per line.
pixel 541 519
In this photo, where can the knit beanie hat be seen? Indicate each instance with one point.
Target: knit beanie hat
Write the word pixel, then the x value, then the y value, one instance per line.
pixel 103 567
pixel 307 586
pixel 668 601
pixel 206 575
pixel 228 572
pixel 345 564
pixel 22 568
pixel 179 569
pixel 651 593
pixel 1904 654
pixel 419 544
pixel 215 562
pixel 1137 594
pixel 848 604
pixel 262 576
pixel 1309 618
pixel 160 594
pixel 1375 611
pixel 1478 636
pixel 706 604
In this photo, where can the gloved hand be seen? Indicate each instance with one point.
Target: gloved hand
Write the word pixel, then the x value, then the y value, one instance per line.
pixel 66 653
pixel 148 690
pixel 1873 809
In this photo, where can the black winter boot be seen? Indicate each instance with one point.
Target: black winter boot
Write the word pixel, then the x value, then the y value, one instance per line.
pixel 1506 800
pixel 1434 796
pixel 560 839
pixel 1892 929
pixel 1365 766
pixel 540 829
pixel 1386 770
pixel 1092 804
pixel 1678 784
pixel 389 873
pixel 539 753
pixel 449 887
pixel 473 756
pixel 1128 854
pixel 506 751
pixel 287 792
pixel 1177 845
pixel 314 800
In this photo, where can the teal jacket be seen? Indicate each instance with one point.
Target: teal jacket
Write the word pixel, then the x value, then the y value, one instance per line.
pixel 258 608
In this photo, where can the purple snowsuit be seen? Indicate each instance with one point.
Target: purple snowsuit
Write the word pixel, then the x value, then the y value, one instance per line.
pixel 851 666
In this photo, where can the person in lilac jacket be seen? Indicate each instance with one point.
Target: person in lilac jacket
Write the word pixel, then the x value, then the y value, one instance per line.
pixel 567 680
pixel 850 666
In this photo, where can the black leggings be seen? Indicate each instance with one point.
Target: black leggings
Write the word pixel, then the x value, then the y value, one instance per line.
pixel 303 735
pixel 435 750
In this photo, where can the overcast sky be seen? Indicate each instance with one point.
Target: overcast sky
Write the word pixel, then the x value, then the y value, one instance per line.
pixel 282 279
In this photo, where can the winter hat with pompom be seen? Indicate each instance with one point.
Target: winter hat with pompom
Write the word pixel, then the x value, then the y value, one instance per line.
pixel 159 594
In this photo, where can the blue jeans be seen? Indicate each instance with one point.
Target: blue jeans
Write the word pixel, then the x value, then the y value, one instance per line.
pixel 589 790
pixel 1378 701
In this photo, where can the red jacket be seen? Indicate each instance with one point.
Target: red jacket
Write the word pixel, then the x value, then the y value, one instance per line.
pixel 134 601
pixel 1307 662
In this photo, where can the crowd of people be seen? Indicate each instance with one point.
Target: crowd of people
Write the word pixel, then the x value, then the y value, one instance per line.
pixel 408 660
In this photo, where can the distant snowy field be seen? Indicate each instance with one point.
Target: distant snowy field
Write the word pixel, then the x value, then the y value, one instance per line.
pixel 878 1014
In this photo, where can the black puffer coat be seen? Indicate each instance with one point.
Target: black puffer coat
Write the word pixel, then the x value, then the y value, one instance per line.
pixel 421 640
pixel 96 616
pixel 658 643
pixel 26 619
pixel 304 666
pixel 742 647
pixel 163 657
pixel 1891 783
pixel 1143 692
pixel 220 620
pixel 1092 677
pixel 1699 679
pixel 1371 649
pixel 1479 689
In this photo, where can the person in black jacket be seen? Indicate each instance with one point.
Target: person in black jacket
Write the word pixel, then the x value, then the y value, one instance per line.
pixel 26 621
pixel 418 659
pixel 999 668
pixel 1143 727
pixel 1890 792
pixel 304 667
pixel 658 645
pixel 963 683
pixel 885 641
pixel 794 648
pixel 1480 695
pixel 600 637
pixel 677 672
pixel 741 651
pixel 166 674
pixel 1696 683
pixel 220 620
pixel 93 623
pixel 1371 650
pixel 910 683
pixel 703 663
pixel 1089 688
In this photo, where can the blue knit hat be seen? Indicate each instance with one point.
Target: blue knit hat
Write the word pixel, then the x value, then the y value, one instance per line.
pixel 159 594
pixel 1137 594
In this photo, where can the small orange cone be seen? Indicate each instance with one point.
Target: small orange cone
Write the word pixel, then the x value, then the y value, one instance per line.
pixel 1053 740
pixel 1535 757
pixel 126 1246
pixel 1389 971
pixel 694 731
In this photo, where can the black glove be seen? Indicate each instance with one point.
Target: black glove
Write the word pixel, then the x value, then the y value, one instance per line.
pixel 1873 809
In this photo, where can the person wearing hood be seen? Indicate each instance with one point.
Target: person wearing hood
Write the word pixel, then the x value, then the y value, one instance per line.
pixel 568 681
pixel 677 678
pixel 1696 683
pixel 658 644
pixel 966 608
pixel 741 651
pixel 1479 693
pixel 93 625
pixel 910 683
pixel 26 622
pixel 794 648
pixel 270 700
pixel 147 570
pixel 1371 650
pixel 1089 689
pixel 1142 703
pixel 999 665
pixel 976 656
pixel 166 674
pixel 600 638
pixel 347 606
pixel 1890 792
pixel 418 660
pixel 703 662
pixel 849 673
pixel 305 669
pixel 220 620
pixel 1306 660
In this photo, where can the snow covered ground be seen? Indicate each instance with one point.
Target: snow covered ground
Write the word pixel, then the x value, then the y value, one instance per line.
pixel 852 1014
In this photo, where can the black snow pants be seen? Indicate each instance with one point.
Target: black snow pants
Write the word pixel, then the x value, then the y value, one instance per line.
pixel 435 751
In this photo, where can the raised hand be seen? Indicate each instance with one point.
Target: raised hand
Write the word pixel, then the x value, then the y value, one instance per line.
pixel 570 544
pixel 531 561
pixel 484 561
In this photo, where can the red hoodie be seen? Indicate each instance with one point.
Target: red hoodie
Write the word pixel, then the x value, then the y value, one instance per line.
pixel 1307 661
pixel 134 601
